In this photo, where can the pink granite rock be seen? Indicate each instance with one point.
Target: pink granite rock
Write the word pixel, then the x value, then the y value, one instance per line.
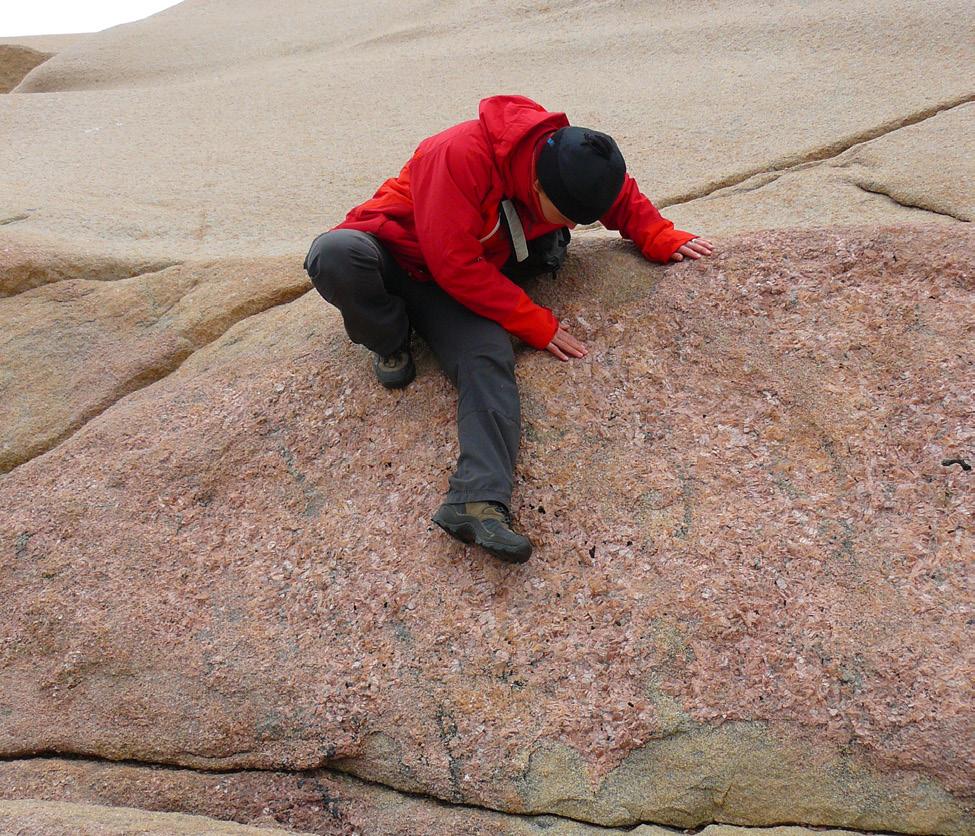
pixel 750 600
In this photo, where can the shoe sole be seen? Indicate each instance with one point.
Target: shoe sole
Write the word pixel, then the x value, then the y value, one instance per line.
pixel 467 533
pixel 398 383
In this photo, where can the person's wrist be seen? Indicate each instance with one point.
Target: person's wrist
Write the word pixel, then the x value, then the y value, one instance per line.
pixel 558 326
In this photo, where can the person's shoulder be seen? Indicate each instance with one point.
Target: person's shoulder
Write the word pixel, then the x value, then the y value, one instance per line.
pixel 463 144
pixel 459 137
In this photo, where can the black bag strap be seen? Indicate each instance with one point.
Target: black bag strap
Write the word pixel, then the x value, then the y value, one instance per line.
pixel 544 254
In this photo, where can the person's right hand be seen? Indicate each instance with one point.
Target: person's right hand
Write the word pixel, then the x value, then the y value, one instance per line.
pixel 564 345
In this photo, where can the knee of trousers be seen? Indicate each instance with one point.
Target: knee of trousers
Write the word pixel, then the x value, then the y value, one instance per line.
pixel 335 257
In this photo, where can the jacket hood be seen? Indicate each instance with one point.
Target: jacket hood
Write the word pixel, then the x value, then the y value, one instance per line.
pixel 513 126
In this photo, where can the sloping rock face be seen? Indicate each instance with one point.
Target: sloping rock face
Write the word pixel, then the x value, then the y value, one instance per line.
pixel 265 142
pixel 871 182
pixel 751 599
pixel 751 596
pixel 220 129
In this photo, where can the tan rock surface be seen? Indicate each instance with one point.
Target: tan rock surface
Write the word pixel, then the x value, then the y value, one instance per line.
pixel 218 129
pixel 750 596
pixel 51 818
pixel 47 43
pixel 924 173
pixel 73 348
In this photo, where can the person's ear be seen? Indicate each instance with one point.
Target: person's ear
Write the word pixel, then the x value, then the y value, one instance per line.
pixel 537 186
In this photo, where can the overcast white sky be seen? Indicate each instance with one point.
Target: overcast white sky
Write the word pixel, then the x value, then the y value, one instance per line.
pixel 57 17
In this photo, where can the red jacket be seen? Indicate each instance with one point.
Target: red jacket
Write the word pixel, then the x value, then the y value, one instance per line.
pixel 440 217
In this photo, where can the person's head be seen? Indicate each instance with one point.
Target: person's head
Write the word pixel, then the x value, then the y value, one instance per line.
pixel 578 175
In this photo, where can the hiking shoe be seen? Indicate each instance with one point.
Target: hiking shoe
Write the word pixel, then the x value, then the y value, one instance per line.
pixel 395 370
pixel 487 524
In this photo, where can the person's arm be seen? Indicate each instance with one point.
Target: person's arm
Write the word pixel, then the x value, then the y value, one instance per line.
pixel 637 218
pixel 446 206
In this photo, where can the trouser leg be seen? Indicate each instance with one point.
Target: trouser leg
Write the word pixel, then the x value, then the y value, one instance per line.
pixel 378 301
pixel 355 273
pixel 477 355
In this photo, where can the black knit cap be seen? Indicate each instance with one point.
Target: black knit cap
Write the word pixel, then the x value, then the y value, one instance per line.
pixel 581 171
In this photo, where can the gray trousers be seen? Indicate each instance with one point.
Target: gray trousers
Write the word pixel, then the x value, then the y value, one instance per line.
pixel 379 302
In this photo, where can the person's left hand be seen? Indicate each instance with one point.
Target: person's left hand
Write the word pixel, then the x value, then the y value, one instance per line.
pixel 694 248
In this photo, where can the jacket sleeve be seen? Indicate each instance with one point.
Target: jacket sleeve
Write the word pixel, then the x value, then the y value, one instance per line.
pixel 637 218
pixel 446 202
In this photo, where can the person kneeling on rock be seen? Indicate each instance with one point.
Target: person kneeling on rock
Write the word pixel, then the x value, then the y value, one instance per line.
pixel 442 248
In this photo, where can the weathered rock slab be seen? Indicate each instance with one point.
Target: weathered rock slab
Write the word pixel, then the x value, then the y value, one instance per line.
pixel 920 174
pixel 74 347
pixel 54 818
pixel 317 801
pixel 750 601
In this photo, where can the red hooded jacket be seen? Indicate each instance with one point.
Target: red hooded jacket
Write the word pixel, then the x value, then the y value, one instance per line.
pixel 440 218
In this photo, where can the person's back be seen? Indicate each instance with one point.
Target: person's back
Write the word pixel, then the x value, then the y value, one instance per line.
pixel 427 251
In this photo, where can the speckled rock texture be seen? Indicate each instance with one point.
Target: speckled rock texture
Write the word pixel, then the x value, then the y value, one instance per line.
pixel 750 601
